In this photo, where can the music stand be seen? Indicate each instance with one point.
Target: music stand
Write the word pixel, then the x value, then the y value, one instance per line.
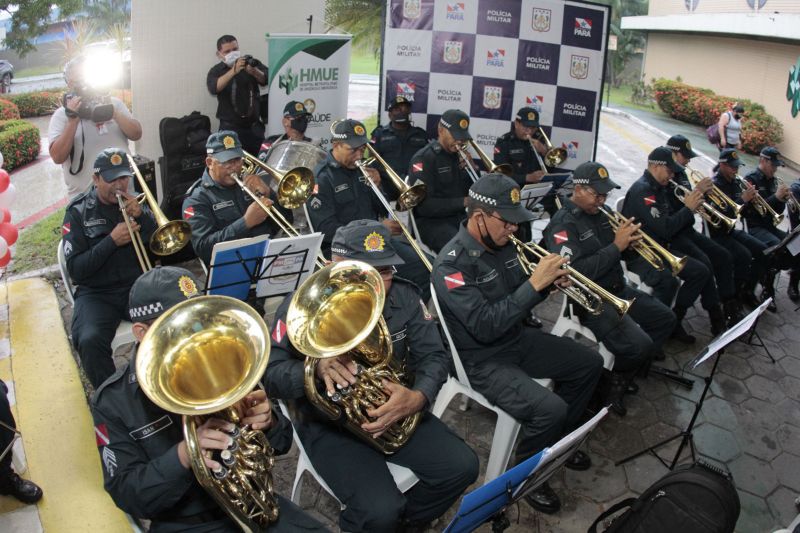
pixel 287 264
pixel 235 265
pixel 716 346
pixel 492 499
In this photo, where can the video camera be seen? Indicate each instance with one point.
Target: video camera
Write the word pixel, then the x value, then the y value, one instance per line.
pixel 95 106
pixel 251 61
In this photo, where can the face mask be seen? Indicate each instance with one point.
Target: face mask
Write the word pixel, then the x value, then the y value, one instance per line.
pixel 737 116
pixel 486 239
pixel 400 117
pixel 299 124
pixel 231 57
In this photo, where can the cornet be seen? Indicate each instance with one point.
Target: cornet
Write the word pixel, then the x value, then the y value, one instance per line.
pixel 791 202
pixel 706 211
pixel 758 202
pixel 721 200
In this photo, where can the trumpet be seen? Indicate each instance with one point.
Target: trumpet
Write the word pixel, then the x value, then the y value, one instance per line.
pixel 292 188
pixel 362 166
pixel 583 291
pixel 721 200
pixel 707 211
pixel 553 157
pixel 761 206
pixel 647 247
pixel 791 202
pixel 491 167
pixel 410 195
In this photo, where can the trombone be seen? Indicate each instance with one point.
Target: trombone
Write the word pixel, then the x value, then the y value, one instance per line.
pixel 721 200
pixel 362 166
pixel 410 195
pixel 648 248
pixel 583 291
pixel 491 167
pixel 706 211
pixel 169 237
pixel 761 206
pixel 293 187
pixel 553 157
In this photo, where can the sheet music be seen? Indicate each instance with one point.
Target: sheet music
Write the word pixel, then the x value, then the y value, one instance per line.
pixel 227 275
pixel 286 262
pixel 731 334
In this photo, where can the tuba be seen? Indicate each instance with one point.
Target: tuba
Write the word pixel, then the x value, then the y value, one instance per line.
pixel 338 310
pixel 199 359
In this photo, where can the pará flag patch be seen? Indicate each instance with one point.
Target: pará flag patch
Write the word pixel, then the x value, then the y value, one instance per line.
pixel 279 332
pixel 649 200
pixel 454 280
pixel 417 167
pixel 65 228
pixel 188 212
pixel 101 435
pixel 560 237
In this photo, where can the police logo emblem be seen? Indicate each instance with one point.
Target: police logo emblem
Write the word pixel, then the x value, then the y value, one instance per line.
pixel 688 145
pixel 515 196
pixel 452 51
pixel 463 123
pixel 602 172
pixel 400 99
pixel 187 286
pixel 412 9
pixel 579 68
pixel 116 160
pixel 734 155
pixel 541 19
pixel 492 97
pixel 531 116
pixel 359 129
pixel 310 104
pixel 374 242
pixel 298 106
pixel 228 142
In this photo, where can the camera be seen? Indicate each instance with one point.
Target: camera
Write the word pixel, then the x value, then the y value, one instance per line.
pixel 251 61
pixel 95 106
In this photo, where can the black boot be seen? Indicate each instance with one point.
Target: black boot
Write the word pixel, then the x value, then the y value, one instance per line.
pixel 619 384
pixel 733 313
pixel 717 318
pixel 768 289
pixel 747 295
pixel 794 280
pixel 680 334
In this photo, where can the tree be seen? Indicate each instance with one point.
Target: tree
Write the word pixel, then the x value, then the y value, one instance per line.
pixel 30 18
pixel 628 41
pixel 108 13
pixel 361 18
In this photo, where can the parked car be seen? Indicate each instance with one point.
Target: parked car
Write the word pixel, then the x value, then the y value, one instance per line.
pixel 6 75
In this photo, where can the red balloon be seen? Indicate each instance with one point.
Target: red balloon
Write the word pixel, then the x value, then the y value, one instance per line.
pixel 6 259
pixel 5 215
pixel 5 179
pixel 9 232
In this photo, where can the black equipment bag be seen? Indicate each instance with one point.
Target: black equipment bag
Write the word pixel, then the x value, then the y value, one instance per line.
pixel 696 498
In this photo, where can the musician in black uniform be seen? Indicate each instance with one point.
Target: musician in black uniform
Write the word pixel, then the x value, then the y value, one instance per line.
pixel 748 252
pixel 101 260
pixel 217 209
pixel 648 201
pixel 398 141
pixel 354 470
pixel 794 219
pixel 439 166
pixel 580 232
pixel 146 464
pixel 295 122
pixel 342 196
pixel 485 295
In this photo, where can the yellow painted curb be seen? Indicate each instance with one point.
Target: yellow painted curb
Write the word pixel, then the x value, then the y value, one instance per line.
pixel 54 417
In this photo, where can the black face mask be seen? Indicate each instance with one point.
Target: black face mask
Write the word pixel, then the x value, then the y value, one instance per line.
pixel 299 124
pixel 400 118
pixel 737 116
pixel 487 239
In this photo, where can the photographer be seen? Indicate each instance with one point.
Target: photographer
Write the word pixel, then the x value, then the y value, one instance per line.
pixel 86 124
pixel 235 81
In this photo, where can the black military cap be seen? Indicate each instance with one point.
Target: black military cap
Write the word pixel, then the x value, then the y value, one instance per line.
pixel 295 109
pixel 679 143
pixel 730 156
pixel 157 290
pixel 365 240
pixel 772 153
pixel 457 123
pixel 224 145
pixel 594 175
pixel 349 131
pixel 397 100
pixel 529 117
pixel 112 164
pixel 663 156
pixel 501 194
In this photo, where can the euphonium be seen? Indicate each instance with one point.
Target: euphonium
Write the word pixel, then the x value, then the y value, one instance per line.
pixel 647 247
pixel 337 311
pixel 199 359
pixel 706 211
pixel 721 200
pixel 583 291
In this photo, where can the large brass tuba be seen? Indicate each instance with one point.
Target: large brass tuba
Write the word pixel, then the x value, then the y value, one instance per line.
pixel 199 359
pixel 337 311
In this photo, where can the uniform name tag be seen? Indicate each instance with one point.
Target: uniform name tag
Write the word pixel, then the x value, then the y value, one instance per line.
pixel 222 205
pixel 95 222
pixel 516 151
pixel 152 428
pixel 342 187
pixel 443 170
pixel 587 234
pixel 512 263
pixel 400 335
pixel 486 277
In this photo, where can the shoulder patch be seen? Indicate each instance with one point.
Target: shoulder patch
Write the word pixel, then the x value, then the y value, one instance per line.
pixel 650 200
pixel 560 237
pixel 455 280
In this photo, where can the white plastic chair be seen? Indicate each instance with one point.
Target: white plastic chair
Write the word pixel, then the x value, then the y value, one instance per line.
pixel 124 334
pixel 507 427
pixel 569 325
pixel 404 478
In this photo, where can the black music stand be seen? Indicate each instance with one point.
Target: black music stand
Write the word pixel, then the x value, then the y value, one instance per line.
pixel 716 346
pixel 490 501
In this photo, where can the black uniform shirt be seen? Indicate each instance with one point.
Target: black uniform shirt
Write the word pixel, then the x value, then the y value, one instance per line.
pixel 138 445
pixel 648 201
pixel 674 202
pixel 93 260
pixel 518 153
pixel 416 344
pixel 484 295
pixel 588 240
pixel 397 146
pixel 766 188
pixel 216 214
pixel 238 101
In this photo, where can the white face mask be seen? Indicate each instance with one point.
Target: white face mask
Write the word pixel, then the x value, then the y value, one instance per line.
pixel 231 57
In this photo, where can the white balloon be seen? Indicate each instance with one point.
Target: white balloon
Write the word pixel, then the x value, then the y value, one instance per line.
pixel 3 247
pixel 7 197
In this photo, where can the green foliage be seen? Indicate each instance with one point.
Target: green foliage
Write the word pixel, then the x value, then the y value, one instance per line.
pixel 361 18
pixel 8 111
pixel 109 13
pixel 36 246
pixel 701 106
pixel 36 104
pixel 19 143
pixel 30 19
pixel 628 41
pixel 642 94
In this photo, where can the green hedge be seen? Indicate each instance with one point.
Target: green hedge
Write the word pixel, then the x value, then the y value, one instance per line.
pixel 36 104
pixel 8 111
pixel 19 143
pixel 701 106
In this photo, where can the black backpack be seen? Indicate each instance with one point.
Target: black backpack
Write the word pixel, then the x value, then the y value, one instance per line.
pixel 697 498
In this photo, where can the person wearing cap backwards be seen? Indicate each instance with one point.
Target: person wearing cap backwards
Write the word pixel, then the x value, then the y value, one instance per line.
pixel 750 263
pixel 485 296
pixel 398 141
pixel 146 463
pixel 101 259
pixel 217 209
pixel 648 201
pixel 295 122
pixel 342 196
pixel 355 471
pixel 760 226
pixel 580 232
pixel 439 166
